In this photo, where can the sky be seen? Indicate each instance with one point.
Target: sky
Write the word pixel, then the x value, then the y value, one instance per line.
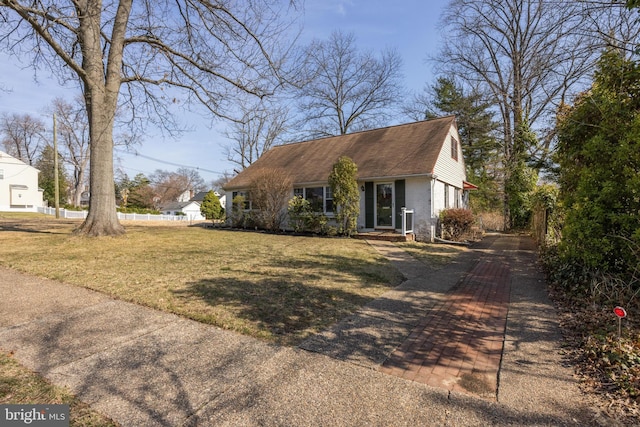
pixel 409 26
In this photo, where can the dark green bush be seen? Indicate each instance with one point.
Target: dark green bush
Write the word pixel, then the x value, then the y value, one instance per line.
pixel 303 218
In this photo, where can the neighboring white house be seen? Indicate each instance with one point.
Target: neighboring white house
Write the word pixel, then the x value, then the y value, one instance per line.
pixel 19 190
pixel 417 166
pixel 190 209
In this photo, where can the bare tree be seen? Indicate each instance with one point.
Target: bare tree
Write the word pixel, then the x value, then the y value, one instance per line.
pixel 23 136
pixel 261 127
pixel 73 137
pixel 134 53
pixel 526 53
pixel 169 186
pixel 530 55
pixel 348 90
pixel 270 191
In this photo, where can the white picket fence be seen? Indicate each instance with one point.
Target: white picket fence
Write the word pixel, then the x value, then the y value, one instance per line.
pixel 407 221
pixel 64 213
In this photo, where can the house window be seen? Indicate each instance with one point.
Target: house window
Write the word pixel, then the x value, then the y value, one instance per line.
pixel 454 149
pixel 320 198
pixel 446 196
pixel 246 196
pixel 315 196
pixel 1 173
pixel 456 194
pixel 328 199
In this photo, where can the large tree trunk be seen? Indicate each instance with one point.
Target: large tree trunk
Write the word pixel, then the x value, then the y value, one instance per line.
pixel 102 219
pixel 101 88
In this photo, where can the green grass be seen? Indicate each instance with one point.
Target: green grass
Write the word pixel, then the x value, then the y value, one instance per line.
pixel 279 288
pixel 18 385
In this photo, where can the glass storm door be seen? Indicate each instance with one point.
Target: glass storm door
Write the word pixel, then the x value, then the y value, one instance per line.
pixel 384 205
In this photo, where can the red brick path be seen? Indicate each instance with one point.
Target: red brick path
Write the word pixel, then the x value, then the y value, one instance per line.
pixel 458 345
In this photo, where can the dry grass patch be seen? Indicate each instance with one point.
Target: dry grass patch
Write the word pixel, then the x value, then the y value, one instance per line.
pixel 276 287
pixel 18 385
pixel 433 255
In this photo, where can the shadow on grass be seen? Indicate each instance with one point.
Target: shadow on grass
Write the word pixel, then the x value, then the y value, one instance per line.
pixel 21 229
pixel 37 226
pixel 289 299
pixel 281 310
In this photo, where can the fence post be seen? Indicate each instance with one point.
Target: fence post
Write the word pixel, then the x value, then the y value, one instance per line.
pixel 404 221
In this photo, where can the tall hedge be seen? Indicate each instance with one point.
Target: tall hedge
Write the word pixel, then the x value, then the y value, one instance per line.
pixel 346 197
pixel 599 157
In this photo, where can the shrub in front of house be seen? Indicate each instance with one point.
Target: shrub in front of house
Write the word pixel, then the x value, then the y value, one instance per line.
pixel 269 192
pixel 456 223
pixel 241 217
pixel 302 217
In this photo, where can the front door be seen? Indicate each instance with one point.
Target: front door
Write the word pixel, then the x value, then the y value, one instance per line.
pixel 384 205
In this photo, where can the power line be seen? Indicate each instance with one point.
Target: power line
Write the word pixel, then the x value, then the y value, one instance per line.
pixel 197 168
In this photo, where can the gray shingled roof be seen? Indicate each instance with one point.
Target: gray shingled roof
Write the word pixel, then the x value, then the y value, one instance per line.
pixel 395 151
pixel 171 206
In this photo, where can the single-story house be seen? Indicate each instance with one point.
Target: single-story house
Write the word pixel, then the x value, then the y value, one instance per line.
pixel 19 190
pixel 417 166
pixel 190 209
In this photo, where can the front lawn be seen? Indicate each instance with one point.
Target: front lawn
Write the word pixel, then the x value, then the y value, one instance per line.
pixel 276 287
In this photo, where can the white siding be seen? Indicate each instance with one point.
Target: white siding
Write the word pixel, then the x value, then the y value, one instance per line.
pixel 447 169
pixel 192 211
pixel 24 179
pixel 418 197
pixel 438 198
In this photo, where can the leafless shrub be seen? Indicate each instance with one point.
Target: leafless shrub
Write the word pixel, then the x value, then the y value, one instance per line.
pixel 270 191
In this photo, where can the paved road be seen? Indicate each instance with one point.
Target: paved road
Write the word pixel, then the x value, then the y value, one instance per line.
pixel 142 367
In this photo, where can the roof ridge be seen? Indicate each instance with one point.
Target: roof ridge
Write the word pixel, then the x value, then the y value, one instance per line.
pixel 450 116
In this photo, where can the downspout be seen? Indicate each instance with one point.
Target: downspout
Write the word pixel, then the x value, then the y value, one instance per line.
pixel 432 223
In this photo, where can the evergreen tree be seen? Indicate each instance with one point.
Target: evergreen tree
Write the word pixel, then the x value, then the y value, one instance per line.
pixel 141 193
pixel 346 197
pixel 599 157
pixel 475 123
pixel 46 181
pixel 211 207
pixel 520 179
pixel 477 128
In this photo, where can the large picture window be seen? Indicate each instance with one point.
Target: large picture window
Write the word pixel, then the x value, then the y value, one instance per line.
pixel 320 198
pixel 315 196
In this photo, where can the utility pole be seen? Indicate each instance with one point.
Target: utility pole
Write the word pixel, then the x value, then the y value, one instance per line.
pixel 55 166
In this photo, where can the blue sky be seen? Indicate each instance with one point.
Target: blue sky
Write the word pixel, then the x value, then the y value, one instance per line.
pixel 410 26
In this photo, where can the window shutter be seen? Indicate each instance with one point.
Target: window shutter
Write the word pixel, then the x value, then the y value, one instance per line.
pixel 400 201
pixel 368 205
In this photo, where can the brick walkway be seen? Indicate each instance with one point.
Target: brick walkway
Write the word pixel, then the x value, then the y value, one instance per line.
pixel 458 345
